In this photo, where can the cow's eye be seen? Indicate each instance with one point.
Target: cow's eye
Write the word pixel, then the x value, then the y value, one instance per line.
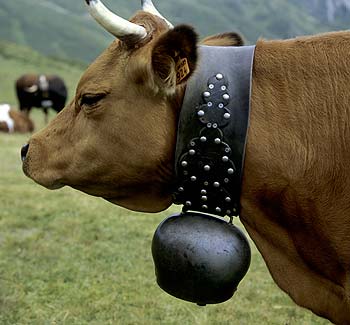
pixel 91 99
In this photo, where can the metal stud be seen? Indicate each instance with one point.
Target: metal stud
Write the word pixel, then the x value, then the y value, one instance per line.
pixel 201 113
pixel 227 150
pixel 209 125
pixel 227 116
pixel 203 139
pixel 192 143
pixel 193 178
pixel 206 94
pixel 181 189
pixel 216 184
pixel 204 206
pixel 184 164
pixel 188 203
pixel 226 180
pixel 217 209
pixel 211 86
pixel 210 104
pixel 215 126
pixel 192 152
pixel 228 199
pixel 228 212
pixel 206 183
pixel 185 172
pixel 204 198
pixel 230 171
pixel 217 141
pixel 223 87
pixel 225 159
pixel 221 105
pixel 219 76
pixel 206 168
pixel 203 192
pixel 226 96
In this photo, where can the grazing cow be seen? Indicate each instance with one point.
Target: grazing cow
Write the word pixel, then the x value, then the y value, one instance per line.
pixel 14 121
pixel 117 140
pixel 42 91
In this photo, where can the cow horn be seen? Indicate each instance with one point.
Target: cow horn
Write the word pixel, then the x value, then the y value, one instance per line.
pixel 114 24
pixel 147 5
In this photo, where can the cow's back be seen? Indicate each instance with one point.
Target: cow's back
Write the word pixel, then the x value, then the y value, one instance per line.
pixel 296 188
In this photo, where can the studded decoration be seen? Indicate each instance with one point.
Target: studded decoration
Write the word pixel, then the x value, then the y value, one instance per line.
pixel 211 154
pixel 213 110
pixel 212 132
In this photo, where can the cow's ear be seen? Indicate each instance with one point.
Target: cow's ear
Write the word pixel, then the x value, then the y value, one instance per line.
pixel 174 57
pixel 224 39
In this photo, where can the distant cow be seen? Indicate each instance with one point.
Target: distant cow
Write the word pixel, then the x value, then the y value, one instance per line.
pixel 42 91
pixel 14 121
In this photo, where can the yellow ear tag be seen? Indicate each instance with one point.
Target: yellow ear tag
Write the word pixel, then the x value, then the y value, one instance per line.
pixel 182 69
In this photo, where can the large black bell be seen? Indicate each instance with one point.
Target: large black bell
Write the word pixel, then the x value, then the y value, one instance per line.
pixel 199 258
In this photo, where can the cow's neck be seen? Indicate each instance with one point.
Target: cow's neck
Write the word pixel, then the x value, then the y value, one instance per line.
pixel 212 131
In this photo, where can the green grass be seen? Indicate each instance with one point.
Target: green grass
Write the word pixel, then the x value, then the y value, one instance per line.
pixel 68 258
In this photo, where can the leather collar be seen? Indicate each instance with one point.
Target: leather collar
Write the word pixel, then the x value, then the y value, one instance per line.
pixel 212 131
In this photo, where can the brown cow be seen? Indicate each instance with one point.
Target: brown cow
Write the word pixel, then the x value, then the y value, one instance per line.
pixel 14 121
pixel 116 140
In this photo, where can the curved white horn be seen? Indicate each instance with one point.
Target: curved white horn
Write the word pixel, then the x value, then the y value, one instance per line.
pixel 114 24
pixel 147 5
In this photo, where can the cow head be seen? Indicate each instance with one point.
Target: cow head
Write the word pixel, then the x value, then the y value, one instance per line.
pixel 116 139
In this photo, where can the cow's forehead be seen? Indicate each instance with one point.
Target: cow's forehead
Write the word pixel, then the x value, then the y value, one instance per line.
pixel 105 71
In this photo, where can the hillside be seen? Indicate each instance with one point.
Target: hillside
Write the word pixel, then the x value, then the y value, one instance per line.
pixel 63 28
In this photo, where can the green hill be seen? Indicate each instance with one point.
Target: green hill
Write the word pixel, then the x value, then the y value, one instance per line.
pixel 63 28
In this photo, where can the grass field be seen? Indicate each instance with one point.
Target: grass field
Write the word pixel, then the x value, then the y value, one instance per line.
pixel 67 258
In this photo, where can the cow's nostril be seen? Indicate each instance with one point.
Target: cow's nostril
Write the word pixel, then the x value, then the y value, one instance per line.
pixel 24 151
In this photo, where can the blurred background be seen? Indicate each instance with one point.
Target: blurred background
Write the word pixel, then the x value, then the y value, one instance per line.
pixel 68 258
pixel 54 34
pixel 62 28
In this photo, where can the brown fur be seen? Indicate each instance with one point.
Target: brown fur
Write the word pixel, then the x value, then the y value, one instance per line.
pixel 121 131
pixel 22 123
pixel 4 127
pixel 297 171
pixel 224 39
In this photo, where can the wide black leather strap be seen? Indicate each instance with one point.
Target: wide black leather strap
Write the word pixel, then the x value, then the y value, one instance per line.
pixel 212 131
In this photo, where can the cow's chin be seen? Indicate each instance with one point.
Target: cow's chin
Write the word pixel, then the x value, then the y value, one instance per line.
pixel 42 179
pixel 150 206
pixel 141 201
pixel 50 185
pixel 55 186
pixel 128 196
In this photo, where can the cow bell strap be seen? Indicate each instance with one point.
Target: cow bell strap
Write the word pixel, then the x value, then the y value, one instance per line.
pixel 212 131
